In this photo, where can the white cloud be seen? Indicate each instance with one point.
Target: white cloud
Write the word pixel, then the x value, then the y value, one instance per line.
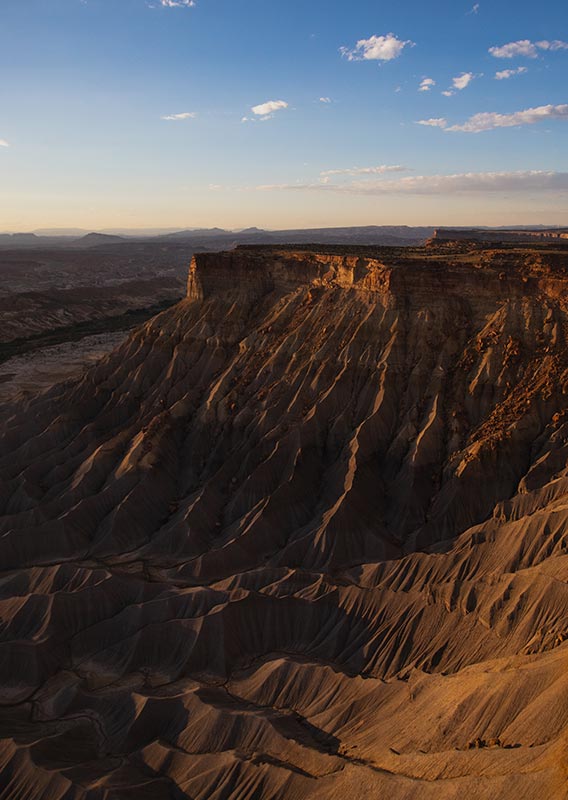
pixel 459 83
pixel 325 100
pixel 487 121
pixel 475 9
pixel 268 108
pixel 426 84
pixel 178 117
pixel 437 122
pixel 4 143
pixel 376 48
pixel 178 3
pixel 505 74
pixel 462 81
pixel 514 49
pixel 526 48
pixel 461 183
pixel 555 45
pixel 381 170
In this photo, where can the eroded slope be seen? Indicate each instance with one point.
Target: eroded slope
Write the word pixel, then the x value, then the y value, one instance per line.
pixel 303 535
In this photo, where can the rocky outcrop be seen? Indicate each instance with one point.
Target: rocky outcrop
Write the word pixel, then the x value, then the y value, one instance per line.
pixel 303 535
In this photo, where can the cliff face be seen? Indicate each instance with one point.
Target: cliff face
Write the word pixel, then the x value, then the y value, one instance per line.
pixel 303 535
pixel 254 273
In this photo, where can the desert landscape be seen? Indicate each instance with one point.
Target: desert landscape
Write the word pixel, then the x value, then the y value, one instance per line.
pixel 283 400
pixel 318 547
pixel 66 301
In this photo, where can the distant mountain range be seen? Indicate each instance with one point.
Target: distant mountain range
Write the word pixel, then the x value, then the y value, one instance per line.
pixel 203 237
pixel 394 235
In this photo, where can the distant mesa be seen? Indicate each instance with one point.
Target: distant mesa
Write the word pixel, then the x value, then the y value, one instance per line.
pixel 96 239
pixel 191 233
pixel 497 235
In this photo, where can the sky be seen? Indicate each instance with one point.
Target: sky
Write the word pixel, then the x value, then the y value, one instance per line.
pixel 304 113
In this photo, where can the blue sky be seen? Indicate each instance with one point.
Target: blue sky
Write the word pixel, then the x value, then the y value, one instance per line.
pixel 367 112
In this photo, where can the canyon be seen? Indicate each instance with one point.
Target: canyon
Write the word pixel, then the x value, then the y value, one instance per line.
pixel 302 534
pixel 61 308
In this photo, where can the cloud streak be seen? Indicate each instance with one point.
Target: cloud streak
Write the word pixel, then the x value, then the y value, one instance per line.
pixel 505 74
pixel 178 3
pixel 435 122
pixel 179 117
pixel 525 48
pixel 461 183
pixel 488 121
pixel 4 143
pixel 380 170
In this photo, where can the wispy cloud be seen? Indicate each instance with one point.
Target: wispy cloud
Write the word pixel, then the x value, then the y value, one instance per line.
pixel 474 9
pixel 4 143
pixel 179 117
pixel 325 100
pixel 426 84
pixel 376 48
pixel 555 45
pixel 505 74
pixel 435 122
pixel 460 183
pixel 487 121
pixel 527 49
pixel 380 170
pixel 178 3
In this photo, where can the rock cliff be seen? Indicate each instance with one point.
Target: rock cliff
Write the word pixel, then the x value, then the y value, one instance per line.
pixel 302 536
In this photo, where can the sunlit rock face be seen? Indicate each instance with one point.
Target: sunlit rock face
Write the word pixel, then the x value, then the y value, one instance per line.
pixel 301 536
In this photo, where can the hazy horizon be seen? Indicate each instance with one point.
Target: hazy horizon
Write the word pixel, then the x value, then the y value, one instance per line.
pixel 153 231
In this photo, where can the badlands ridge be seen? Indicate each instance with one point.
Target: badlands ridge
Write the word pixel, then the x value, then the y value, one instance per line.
pixel 303 535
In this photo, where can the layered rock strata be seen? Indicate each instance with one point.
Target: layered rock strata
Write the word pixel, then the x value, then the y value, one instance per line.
pixel 301 536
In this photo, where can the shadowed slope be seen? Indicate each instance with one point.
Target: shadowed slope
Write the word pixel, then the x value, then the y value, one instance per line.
pixel 303 535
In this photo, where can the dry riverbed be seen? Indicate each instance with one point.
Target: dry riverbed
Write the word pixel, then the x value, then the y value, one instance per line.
pixel 37 370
